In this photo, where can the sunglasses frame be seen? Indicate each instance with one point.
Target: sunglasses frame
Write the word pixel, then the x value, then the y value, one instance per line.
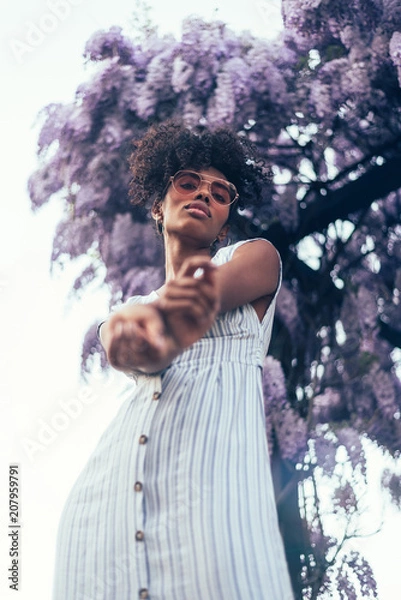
pixel 205 178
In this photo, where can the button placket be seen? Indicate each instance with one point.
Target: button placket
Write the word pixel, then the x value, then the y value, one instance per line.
pixel 153 393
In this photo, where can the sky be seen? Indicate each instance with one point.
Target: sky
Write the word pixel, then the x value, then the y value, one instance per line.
pixel 50 418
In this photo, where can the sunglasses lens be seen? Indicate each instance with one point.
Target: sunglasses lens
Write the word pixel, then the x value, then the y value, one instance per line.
pixel 186 182
pixel 221 192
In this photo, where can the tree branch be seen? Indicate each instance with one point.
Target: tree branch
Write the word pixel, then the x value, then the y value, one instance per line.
pixel 356 195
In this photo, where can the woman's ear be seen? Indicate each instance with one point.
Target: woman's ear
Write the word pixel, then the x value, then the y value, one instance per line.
pixel 223 233
pixel 157 211
pixel 157 215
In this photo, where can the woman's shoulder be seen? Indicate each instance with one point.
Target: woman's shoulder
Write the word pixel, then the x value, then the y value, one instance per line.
pixel 226 253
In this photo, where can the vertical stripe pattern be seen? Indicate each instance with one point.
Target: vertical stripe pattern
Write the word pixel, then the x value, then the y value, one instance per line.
pixel 176 502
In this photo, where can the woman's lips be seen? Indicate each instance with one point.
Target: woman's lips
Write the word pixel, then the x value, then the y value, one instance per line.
pixel 198 208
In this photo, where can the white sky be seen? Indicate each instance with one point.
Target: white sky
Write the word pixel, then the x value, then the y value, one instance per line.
pixel 50 421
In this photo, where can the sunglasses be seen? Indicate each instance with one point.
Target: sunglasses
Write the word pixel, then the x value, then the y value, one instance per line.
pixel 188 182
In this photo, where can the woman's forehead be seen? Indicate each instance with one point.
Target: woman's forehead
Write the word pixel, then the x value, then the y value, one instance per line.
pixel 210 172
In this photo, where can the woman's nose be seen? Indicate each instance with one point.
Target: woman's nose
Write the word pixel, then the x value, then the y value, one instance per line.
pixel 204 191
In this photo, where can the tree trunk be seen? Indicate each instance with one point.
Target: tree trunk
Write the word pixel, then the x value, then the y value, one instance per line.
pixel 291 525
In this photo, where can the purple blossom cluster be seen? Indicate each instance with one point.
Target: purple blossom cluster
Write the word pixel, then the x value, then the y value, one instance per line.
pixel 287 311
pixel 325 448
pixel 132 249
pixel 384 391
pixel 350 439
pixel 364 574
pixel 395 52
pixel 327 405
pixel 283 422
pixel 274 387
pixel 391 482
pixel 74 236
pixel 345 499
pixel 221 107
pixel 373 388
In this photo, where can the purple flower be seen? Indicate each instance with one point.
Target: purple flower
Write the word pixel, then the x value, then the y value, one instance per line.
pixel 287 310
pixel 351 440
pixel 344 499
pixel 292 434
pixel 274 388
pixel 221 106
pixel 328 406
pixel 182 74
pixel 395 52
pixel 384 390
pixel 325 449
pixel 108 44
pixel 391 482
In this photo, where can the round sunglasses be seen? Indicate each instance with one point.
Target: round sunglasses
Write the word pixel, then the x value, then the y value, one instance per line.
pixel 189 182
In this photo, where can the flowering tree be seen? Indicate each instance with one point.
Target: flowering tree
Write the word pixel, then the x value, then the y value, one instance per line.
pixel 323 105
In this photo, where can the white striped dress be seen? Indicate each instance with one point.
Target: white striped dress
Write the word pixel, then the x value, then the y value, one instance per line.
pixel 176 502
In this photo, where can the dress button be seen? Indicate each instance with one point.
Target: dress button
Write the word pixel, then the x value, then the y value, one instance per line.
pixel 143 593
pixel 138 486
pixel 156 395
pixel 143 439
pixel 139 536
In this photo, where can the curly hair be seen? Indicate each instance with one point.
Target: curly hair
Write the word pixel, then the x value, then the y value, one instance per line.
pixel 171 146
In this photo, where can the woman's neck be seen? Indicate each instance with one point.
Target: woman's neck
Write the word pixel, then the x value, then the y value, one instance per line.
pixel 177 251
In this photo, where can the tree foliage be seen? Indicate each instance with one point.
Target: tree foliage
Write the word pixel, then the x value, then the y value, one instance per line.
pixel 322 103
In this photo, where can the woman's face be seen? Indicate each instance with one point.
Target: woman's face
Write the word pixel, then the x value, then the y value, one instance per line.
pixel 197 208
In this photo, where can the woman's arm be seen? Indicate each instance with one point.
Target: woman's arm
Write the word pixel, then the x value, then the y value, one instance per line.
pixel 251 276
pixel 147 337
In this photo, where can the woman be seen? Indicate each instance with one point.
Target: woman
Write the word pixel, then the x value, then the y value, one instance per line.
pixel 176 502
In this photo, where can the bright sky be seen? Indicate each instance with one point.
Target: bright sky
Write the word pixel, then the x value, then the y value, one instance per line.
pixel 50 420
